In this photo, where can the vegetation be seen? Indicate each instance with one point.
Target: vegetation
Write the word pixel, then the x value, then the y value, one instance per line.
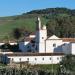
pixel 50 67
pixel 30 70
pixel 62 26
pixel 17 33
pixel 67 65
pixel 7 47
pixel 14 71
pixel 59 21
pixel 2 65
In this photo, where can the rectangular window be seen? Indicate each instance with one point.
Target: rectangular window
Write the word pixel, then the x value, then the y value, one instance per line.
pixel 28 59
pixel 57 58
pixel 20 59
pixel 50 58
pixel 54 45
pixel 60 58
pixel 42 37
pixel 35 58
pixel 42 58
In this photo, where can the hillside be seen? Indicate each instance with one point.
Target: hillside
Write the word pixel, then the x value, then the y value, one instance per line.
pixel 53 17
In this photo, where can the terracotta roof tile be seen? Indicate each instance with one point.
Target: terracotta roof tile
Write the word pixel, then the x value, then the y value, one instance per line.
pixel 68 39
pixel 34 54
pixel 33 33
pixel 28 39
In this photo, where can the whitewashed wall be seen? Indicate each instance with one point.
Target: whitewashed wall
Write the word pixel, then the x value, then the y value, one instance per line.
pixel 72 48
pixel 37 59
pixel 41 47
pixel 11 43
pixel 2 44
pixel 32 36
pixel 50 48
pixel 41 36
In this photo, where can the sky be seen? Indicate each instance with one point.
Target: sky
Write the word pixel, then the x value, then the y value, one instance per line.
pixel 17 7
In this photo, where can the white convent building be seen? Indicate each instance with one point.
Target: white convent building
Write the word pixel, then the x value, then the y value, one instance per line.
pixel 39 42
pixel 39 49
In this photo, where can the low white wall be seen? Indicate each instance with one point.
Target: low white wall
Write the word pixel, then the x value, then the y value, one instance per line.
pixel 6 52
pixel 37 59
pixel 11 43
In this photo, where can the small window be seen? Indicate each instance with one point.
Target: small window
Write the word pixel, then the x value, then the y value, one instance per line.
pixel 28 59
pixel 61 58
pixel 42 37
pixel 20 59
pixel 50 58
pixel 35 58
pixel 54 45
pixel 57 58
pixel 42 58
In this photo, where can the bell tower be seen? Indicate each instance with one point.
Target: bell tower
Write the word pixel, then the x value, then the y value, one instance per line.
pixel 41 36
pixel 38 23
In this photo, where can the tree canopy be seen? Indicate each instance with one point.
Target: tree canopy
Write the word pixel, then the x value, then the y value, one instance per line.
pixel 59 21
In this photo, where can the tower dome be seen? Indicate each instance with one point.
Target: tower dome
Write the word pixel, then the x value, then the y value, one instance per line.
pixel 44 27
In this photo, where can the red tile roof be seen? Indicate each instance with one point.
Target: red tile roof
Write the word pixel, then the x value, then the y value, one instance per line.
pixel 35 54
pixel 68 39
pixel 33 33
pixel 28 39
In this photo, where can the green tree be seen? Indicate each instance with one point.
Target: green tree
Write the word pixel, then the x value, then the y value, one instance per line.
pixel 62 26
pixel 16 33
pixel 67 65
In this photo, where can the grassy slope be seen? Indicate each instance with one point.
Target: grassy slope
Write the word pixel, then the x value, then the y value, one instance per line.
pixel 7 24
pixel 49 67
